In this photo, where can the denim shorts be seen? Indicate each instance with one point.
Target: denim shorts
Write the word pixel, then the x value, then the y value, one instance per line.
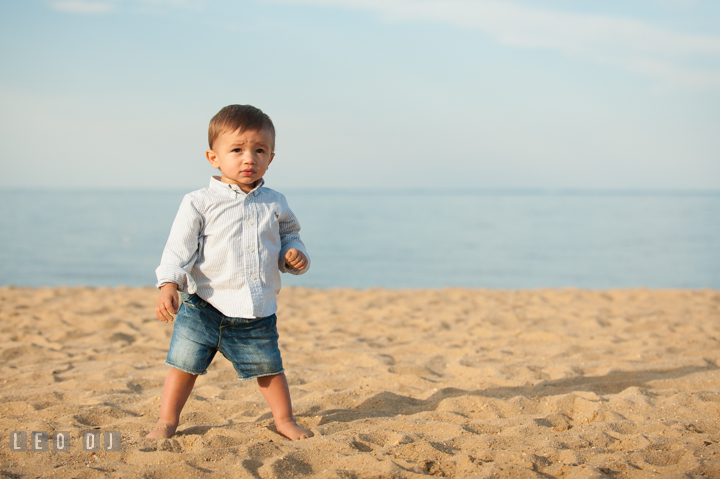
pixel 200 331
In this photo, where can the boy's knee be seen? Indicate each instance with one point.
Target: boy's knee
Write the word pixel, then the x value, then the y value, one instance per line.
pixel 180 374
pixel 266 380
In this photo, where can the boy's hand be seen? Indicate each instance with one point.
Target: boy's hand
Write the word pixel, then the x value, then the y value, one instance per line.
pixel 296 259
pixel 167 303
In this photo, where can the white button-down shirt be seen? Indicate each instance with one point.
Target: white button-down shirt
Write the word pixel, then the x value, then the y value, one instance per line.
pixel 228 247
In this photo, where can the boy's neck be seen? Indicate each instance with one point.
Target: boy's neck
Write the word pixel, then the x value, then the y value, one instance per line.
pixel 244 188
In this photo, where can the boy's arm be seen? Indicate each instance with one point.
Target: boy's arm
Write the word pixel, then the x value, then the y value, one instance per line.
pixel 290 240
pixel 181 250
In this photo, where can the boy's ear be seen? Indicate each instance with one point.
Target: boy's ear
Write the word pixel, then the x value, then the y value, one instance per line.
pixel 272 155
pixel 212 158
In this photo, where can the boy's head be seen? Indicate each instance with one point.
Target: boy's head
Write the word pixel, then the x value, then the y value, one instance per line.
pixel 242 141
pixel 242 118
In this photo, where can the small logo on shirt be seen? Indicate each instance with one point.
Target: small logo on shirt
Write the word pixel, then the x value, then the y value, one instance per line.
pixel 276 215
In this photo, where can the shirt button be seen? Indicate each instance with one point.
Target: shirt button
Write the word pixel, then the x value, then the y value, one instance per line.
pixel 250 223
pixel 250 250
pixel 252 278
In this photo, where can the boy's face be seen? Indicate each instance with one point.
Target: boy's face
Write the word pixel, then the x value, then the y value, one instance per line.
pixel 242 158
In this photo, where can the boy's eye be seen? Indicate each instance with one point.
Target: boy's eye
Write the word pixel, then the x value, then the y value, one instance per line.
pixel 260 150
pixel 237 150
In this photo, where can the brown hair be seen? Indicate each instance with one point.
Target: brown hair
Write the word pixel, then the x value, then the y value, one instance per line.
pixel 239 117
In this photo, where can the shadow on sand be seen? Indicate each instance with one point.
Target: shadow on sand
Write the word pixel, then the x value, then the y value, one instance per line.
pixel 388 404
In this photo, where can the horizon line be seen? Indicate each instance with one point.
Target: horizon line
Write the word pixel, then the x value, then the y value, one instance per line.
pixel 499 190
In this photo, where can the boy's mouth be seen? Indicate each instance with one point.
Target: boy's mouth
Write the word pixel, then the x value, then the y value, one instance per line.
pixel 247 172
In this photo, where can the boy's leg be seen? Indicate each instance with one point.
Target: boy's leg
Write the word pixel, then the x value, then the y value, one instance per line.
pixel 277 394
pixel 178 386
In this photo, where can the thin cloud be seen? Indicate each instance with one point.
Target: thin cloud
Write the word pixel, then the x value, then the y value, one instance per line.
pixel 82 6
pixel 190 4
pixel 630 44
pixel 93 7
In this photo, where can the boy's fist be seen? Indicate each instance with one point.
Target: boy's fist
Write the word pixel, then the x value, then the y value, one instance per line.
pixel 296 259
pixel 167 303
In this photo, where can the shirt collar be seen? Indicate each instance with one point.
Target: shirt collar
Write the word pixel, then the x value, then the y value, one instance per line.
pixel 232 190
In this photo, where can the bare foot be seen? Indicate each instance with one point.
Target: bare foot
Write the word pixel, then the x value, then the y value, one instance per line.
pixel 292 431
pixel 162 429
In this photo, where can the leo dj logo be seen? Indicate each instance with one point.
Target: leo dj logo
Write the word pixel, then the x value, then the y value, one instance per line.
pixel 41 441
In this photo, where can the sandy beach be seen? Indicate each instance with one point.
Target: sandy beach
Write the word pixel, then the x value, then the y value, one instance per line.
pixel 453 383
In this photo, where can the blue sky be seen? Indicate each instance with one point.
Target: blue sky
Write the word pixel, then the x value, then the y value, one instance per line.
pixel 364 93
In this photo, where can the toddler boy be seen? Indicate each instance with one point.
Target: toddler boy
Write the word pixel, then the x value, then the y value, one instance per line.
pixel 227 246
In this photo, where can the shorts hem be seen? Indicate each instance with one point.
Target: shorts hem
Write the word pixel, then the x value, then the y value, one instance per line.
pixel 240 378
pixel 168 363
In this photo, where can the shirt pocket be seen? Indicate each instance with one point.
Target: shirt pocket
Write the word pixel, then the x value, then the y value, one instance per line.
pixel 270 230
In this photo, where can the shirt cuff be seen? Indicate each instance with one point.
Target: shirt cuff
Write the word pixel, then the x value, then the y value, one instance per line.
pixel 177 275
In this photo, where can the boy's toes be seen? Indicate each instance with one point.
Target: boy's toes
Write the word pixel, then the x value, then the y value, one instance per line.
pixel 294 432
pixel 162 430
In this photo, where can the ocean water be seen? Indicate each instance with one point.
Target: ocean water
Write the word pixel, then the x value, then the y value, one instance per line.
pixel 508 239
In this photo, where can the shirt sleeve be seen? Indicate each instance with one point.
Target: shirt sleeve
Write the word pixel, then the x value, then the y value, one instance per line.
pixel 290 238
pixel 182 248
